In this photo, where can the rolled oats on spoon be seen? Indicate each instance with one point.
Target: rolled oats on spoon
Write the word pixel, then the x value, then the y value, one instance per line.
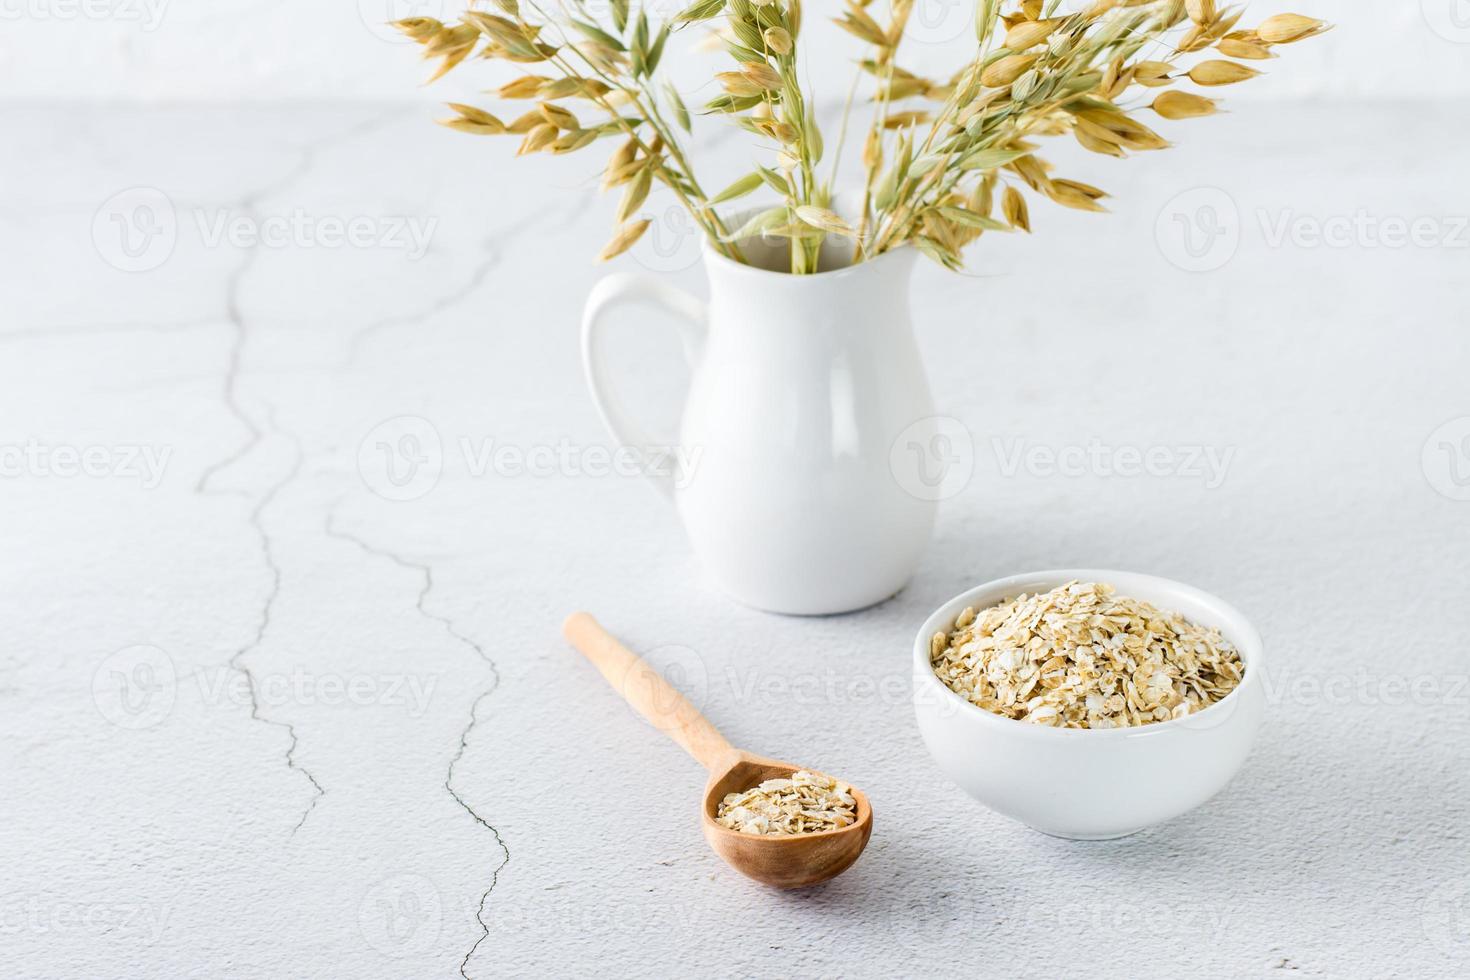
pixel 807 803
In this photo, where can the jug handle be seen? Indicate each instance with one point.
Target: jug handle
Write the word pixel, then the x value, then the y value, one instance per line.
pixel 614 290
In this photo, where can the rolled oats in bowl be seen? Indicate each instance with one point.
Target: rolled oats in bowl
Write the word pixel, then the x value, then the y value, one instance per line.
pixel 1081 656
pixel 807 803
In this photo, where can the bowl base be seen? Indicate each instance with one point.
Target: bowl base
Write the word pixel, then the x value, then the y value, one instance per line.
pixel 1117 836
pixel 832 607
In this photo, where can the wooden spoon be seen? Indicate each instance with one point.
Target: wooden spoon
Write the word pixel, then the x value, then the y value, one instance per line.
pixel 781 861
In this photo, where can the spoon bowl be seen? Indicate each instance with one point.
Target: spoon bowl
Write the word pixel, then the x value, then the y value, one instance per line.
pixel 781 861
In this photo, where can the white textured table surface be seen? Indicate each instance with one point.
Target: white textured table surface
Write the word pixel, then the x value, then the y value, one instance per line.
pixel 429 781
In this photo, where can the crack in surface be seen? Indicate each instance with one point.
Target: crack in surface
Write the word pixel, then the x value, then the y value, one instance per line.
pixel 478 275
pixel 445 302
pixel 230 395
pixel 236 662
pixel 230 392
pixel 426 573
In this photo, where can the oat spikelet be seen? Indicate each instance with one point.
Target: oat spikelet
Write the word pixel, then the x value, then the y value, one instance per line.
pixel 635 195
pixel 538 138
pixel 1182 105
pixel 1013 208
pixel 1201 11
pixel 559 117
pixel 1006 70
pixel 473 120
pixel 1286 28
pixel 627 236
pixel 1240 48
pixel 1219 72
pixel 1030 33
pixel 824 219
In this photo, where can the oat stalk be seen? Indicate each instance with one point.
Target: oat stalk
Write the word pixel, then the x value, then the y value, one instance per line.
pixel 938 154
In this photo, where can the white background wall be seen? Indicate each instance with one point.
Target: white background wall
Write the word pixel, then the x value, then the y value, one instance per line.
pixel 189 50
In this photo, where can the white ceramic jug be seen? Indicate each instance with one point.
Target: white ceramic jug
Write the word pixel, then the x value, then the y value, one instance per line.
pixel 806 396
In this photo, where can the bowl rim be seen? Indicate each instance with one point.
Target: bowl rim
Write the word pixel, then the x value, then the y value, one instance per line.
pixel 1230 621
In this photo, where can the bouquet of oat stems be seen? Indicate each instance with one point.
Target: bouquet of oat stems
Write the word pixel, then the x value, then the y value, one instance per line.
pixel 939 154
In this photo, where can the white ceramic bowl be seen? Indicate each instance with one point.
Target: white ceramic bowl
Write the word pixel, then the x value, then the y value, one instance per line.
pixel 1079 783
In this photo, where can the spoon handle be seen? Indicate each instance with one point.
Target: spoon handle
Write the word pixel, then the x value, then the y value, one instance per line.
pixel 645 689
